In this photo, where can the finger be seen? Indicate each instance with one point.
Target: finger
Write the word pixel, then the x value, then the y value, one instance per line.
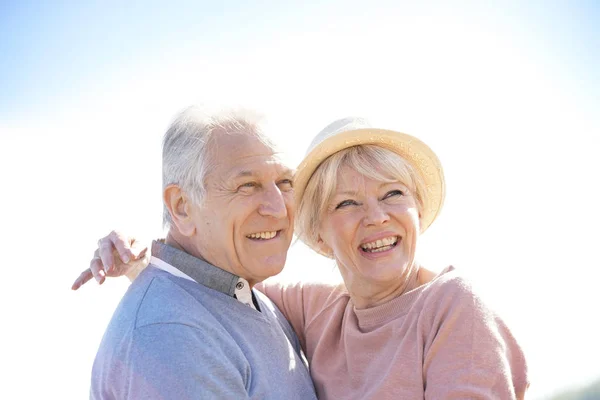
pixel 123 246
pixel 84 277
pixel 105 253
pixel 138 249
pixel 100 276
pixel 97 270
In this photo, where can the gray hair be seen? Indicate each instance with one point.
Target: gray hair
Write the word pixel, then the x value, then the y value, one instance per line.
pixel 186 147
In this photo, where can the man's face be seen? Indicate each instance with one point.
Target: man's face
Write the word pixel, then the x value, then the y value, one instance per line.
pixel 245 224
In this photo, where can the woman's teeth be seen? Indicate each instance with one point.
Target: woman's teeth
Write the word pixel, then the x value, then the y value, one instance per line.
pixel 262 235
pixel 380 245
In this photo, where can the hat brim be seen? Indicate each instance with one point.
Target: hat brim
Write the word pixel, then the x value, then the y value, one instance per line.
pixel 415 152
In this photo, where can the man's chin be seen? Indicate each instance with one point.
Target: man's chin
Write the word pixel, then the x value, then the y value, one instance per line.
pixel 270 265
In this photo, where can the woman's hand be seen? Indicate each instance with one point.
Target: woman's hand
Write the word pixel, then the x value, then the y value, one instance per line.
pixel 116 255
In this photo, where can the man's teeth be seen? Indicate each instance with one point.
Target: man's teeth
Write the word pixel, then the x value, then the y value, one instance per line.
pixel 380 245
pixel 262 235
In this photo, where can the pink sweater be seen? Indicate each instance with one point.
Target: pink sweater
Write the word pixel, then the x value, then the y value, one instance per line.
pixel 437 341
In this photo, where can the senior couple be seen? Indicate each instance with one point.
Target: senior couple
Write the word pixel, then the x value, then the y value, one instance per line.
pixel 198 322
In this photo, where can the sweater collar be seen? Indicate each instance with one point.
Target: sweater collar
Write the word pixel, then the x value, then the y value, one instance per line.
pixel 371 318
pixel 199 270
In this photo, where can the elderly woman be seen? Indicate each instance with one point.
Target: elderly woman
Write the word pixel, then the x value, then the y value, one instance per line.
pixel 393 329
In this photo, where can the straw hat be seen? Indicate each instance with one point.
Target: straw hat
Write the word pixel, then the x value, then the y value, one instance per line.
pixel 349 132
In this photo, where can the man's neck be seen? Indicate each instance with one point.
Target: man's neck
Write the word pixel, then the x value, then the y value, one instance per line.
pixel 173 241
pixel 182 243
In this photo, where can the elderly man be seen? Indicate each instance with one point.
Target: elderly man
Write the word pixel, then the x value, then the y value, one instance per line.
pixel 190 326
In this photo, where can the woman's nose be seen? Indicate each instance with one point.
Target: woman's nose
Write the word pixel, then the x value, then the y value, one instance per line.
pixel 376 214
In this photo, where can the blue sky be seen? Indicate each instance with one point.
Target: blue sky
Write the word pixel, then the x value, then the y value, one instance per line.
pixel 56 50
pixel 506 93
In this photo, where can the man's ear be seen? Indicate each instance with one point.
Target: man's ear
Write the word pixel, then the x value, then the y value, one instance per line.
pixel 179 206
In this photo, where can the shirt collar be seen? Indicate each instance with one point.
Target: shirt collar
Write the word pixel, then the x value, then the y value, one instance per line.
pixel 184 265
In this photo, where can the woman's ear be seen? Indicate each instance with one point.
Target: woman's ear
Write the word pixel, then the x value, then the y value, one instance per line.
pixel 179 205
pixel 323 248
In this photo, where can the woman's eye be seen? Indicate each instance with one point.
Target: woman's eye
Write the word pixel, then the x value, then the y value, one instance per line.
pixel 393 193
pixel 345 203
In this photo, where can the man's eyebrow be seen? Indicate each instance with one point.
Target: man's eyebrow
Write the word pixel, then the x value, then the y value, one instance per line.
pixel 288 171
pixel 243 173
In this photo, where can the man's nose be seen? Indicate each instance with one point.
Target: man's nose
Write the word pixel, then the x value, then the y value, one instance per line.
pixel 273 204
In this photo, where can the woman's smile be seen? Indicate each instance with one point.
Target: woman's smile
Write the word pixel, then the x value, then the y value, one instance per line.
pixel 376 248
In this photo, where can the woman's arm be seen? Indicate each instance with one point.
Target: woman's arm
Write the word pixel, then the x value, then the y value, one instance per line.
pixel 116 255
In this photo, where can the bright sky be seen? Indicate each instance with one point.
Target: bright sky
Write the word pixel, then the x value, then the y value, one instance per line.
pixel 508 95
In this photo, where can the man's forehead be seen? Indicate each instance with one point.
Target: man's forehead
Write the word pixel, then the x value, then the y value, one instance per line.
pixel 258 164
pixel 244 153
pixel 232 166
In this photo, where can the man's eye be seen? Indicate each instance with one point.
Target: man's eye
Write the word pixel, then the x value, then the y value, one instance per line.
pixel 393 193
pixel 345 203
pixel 248 185
pixel 286 184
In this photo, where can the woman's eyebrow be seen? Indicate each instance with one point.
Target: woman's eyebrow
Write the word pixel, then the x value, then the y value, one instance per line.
pixel 347 192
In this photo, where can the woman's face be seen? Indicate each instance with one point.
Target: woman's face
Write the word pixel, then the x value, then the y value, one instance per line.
pixel 371 227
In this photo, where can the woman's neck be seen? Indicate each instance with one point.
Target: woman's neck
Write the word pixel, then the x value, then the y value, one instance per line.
pixel 366 294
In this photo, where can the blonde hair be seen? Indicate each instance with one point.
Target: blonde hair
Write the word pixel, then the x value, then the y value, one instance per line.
pixel 371 161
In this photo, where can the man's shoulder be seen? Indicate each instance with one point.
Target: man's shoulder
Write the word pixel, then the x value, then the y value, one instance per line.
pixel 158 302
pixel 158 334
pixel 156 297
pixel 165 299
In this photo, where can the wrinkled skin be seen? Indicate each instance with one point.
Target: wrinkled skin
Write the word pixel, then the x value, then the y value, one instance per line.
pixel 116 255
